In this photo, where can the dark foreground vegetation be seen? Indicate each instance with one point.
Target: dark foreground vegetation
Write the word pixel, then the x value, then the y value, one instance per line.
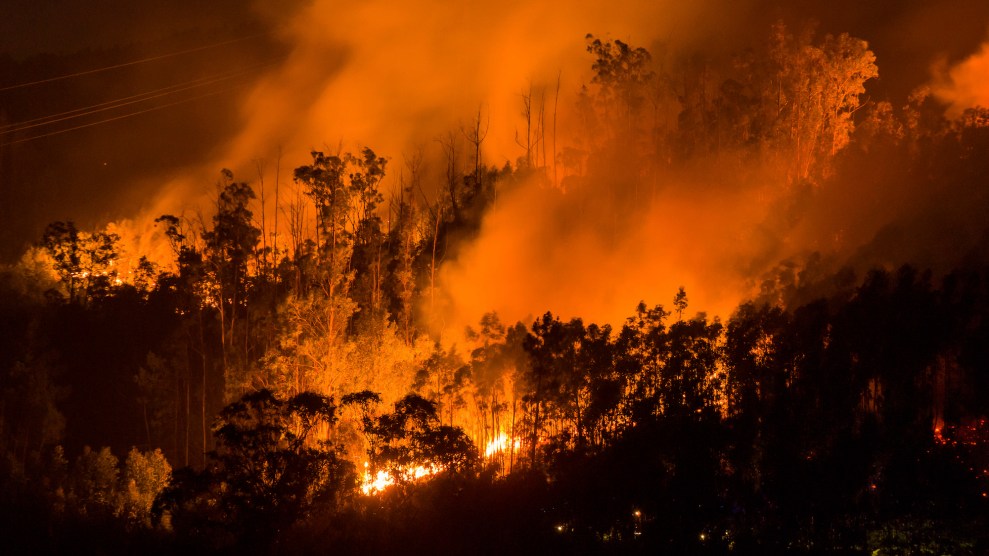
pixel 850 423
pixel 259 383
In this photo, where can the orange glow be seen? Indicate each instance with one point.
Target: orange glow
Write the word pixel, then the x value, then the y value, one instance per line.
pixel 500 444
pixel 336 89
pixel 376 483
pixel 591 249
pixel 373 483
pixel 713 228
pixel 965 85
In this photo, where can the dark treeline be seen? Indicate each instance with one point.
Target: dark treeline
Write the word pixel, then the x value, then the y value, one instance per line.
pixel 853 422
pixel 270 380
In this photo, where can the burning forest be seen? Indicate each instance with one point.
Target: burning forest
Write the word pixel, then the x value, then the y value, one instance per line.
pixel 687 279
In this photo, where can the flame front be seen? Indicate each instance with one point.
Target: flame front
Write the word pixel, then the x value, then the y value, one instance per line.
pixel 500 444
pixel 374 483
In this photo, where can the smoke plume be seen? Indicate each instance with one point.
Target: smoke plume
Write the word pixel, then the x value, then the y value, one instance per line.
pixel 964 85
pixel 399 76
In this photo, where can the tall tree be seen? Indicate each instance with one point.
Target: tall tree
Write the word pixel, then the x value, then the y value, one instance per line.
pixel 366 171
pixel 324 183
pixel 230 247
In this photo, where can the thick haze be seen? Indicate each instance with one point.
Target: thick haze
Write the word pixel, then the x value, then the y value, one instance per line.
pixel 965 84
pixel 395 76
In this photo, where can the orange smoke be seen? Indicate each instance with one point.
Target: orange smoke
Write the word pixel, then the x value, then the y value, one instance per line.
pixel 397 76
pixel 579 256
pixel 964 85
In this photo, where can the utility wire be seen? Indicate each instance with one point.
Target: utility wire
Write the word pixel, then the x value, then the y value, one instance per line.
pixel 121 117
pixel 122 100
pixel 132 63
pixel 128 100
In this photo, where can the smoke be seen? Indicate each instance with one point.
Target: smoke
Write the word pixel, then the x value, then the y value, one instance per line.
pixel 579 255
pixel 964 85
pixel 396 76
pixel 718 232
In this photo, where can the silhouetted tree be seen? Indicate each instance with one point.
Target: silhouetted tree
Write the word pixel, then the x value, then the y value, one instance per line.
pixel 411 437
pixel 269 470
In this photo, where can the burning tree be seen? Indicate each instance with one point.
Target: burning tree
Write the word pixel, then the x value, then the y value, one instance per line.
pixel 83 261
pixel 410 443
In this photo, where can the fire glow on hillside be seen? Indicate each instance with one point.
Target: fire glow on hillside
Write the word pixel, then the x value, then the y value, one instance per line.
pixel 557 277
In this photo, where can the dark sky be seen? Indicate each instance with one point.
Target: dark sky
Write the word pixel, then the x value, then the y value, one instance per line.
pixel 210 53
pixel 64 26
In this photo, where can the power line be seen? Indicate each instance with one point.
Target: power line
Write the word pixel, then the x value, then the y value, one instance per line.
pixel 23 124
pixel 135 62
pixel 121 117
pixel 128 100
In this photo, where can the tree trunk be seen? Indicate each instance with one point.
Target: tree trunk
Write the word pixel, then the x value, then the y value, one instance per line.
pixel 202 345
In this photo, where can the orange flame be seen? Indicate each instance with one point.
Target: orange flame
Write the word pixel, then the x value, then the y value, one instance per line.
pixel 374 483
pixel 500 444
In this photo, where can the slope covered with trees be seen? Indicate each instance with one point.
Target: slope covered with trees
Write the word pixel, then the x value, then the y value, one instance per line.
pixel 287 388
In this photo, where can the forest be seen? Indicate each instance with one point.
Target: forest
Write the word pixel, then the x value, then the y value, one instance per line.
pixel 283 380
